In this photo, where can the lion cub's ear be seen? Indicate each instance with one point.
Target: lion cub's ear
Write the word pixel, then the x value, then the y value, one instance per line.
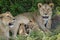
pixel 7 13
pixel 51 5
pixel 39 5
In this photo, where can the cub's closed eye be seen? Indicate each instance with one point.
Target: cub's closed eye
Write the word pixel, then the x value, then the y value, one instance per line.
pixel 8 16
pixel 30 21
pixel 20 24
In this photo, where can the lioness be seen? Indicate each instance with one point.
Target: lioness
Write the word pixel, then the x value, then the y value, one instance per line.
pixel 42 17
pixel 6 20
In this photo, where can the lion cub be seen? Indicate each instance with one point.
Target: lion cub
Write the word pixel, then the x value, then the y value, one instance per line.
pixel 25 29
pixel 6 20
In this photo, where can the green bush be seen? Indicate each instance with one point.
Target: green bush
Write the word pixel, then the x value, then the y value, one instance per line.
pixel 57 2
pixel 19 6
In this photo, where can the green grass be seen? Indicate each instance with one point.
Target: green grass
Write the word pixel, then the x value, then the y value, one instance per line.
pixel 38 35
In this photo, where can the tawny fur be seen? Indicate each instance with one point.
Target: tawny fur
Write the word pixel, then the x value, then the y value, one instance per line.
pixel 5 19
pixel 41 17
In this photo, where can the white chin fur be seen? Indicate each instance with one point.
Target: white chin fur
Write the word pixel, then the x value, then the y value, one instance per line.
pixel 11 26
pixel 45 15
pixel 45 19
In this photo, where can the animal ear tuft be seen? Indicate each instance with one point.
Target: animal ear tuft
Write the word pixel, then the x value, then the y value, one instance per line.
pixel 7 12
pixel 51 5
pixel 39 5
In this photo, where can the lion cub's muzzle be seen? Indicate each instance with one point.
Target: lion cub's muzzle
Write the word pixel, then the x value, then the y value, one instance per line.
pixel 45 17
pixel 10 24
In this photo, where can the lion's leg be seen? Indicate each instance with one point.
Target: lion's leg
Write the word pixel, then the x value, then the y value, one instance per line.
pixel 14 33
pixel 7 33
pixel 49 24
pixel 15 30
pixel 22 31
pixel 42 26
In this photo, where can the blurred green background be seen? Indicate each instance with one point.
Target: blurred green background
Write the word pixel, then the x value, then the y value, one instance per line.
pixel 20 6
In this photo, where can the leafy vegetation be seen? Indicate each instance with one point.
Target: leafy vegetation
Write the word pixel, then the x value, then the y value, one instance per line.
pixel 39 35
pixel 18 6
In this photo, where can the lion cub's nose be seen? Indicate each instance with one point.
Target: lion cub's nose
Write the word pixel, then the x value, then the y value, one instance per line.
pixel 10 24
pixel 45 13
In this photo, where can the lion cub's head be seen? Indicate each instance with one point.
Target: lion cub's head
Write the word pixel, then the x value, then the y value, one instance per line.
pixel 7 18
pixel 45 10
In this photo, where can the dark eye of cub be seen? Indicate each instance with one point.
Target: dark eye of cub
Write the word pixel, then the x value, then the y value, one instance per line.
pixel 20 24
pixel 8 16
pixel 30 21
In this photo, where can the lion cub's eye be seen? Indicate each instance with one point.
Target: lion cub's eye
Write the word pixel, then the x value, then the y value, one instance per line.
pixel 8 16
pixel 20 24
pixel 30 21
